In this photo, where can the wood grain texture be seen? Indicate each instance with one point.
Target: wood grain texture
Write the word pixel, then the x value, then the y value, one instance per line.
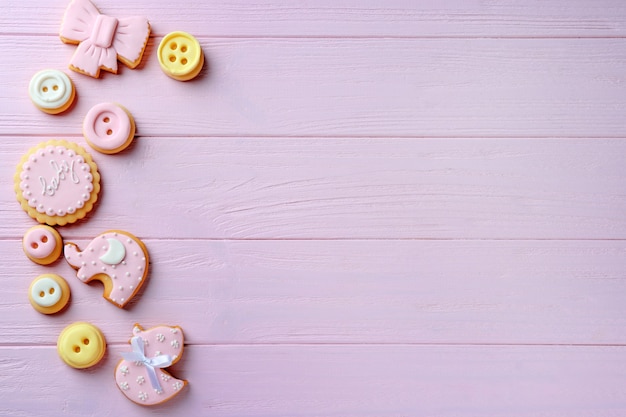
pixel 370 380
pixel 347 87
pixel 370 18
pixel 328 188
pixel 359 208
pixel 249 292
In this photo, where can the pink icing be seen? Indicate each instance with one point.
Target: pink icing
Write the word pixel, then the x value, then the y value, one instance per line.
pixel 39 242
pixel 103 39
pixel 127 273
pixel 107 126
pixel 56 181
pixel 132 378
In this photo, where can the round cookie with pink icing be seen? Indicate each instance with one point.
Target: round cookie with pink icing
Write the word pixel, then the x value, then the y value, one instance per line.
pixel 42 244
pixel 140 375
pixel 116 258
pixel 57 182
pixel 109 128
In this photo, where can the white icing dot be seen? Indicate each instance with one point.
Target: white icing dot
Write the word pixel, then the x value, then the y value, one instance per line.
pixel 121 288
pixel 128 274
pixel 79 204
pixel 139 279
pixel 83 263
pixel 71 210
pixel 88 177
pixel 104 268
pixel 33 159
pixel 61 151
pixel 140 268
pixel 26 177
pixel 114 276
pixel 85 168
pixel 122 300
pixel 50 211
pixel 130 287
pixel 80 254
pixel 93 262
pixel 61 212
pixel 124 385
pixel 91 249
pixel 82 276
pixel 123 262
pixel 113 266
pixel 129 241
pixel 85 197
pixel 143 259
pixel 135 253
pixel 70 153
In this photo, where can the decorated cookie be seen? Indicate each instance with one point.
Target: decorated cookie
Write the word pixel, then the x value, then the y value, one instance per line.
pixel 140 375
pixel 42 244
pixel 51 91
pixel 81 345
pixel 180 56
pixel 116 258
pixel 108 128
pixel 57 182
pixel 102 40
pixel 49 293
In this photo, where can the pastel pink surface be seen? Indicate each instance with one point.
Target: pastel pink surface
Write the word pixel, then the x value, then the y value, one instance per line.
pixel 115 254
pixel 359 208
pixel 102 40
pixel 132 378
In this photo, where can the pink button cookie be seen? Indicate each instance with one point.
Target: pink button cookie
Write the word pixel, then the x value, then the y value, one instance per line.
pixel 57 182
pixel 108 128
pixel 42 244
pixel 140 375
pixel 116 258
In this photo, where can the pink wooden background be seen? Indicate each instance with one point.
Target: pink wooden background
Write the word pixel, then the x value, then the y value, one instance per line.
pixel 359 208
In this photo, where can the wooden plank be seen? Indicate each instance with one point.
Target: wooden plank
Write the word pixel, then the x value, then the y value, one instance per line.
pixel 346 87
pixel 466 292
pixel 476 381
pixel 305 188
pixel 343 18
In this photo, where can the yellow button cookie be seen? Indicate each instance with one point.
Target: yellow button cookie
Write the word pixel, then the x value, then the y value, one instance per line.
pixel 81 345
pixel 180 56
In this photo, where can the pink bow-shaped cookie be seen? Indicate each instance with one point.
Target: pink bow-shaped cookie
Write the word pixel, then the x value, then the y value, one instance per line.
pixel 102 40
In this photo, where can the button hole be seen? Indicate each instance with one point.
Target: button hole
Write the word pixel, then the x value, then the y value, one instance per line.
pixel 45 89
pixel 109 132
pixel 44 239
pixel 173 46
pixel 77 349
pixel 183 48
pixel 51 291
pixel 85 342
pixel 42 294
pixel 172 58
pixel 34 245
pixel 106 120
pixel 183 61
pixel 55 87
